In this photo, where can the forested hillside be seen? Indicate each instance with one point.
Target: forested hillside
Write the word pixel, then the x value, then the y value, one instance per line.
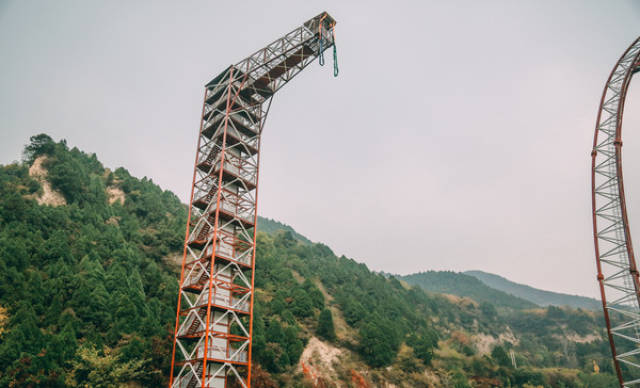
pixel 85 295
pixel 88 287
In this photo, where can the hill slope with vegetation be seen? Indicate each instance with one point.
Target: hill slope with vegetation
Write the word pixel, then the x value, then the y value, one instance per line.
pixel 88 287
pixel 269 226
pixel 534 295
pixel 448 282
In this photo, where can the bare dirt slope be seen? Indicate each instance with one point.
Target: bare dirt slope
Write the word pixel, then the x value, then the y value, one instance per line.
pixel 49 196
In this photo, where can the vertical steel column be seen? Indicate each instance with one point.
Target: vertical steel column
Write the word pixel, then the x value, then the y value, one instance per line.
pixel 186 238
pixel 215 231
pixel 212 336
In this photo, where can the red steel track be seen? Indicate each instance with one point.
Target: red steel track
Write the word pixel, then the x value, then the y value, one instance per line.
pixel 617 271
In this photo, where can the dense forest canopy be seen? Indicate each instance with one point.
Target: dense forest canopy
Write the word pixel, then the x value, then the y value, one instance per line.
pixel 88 291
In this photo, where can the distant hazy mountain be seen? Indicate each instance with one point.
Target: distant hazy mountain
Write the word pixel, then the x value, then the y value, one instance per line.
pixel 449 282
pixel 539 297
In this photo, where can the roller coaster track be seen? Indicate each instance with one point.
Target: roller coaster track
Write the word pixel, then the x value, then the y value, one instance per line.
pixel 615 260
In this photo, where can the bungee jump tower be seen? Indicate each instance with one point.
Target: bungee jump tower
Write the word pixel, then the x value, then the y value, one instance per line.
pixel 213 330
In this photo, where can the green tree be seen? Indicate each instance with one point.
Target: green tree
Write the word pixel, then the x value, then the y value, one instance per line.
pixel 488 310
pixel 275 333
pixel 41 144
pixel 67 338
pixel 292 344
pixel 317 299
pixel 24 336
pixel 423 346
pixel 103 369
pixel 459 380
pixel 278 305
pixel 500 356
pixel 302 306
pixel 375 345
pixel 68 175
pixel 325 325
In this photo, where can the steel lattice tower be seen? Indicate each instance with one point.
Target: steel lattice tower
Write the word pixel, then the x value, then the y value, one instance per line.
pixel 212 338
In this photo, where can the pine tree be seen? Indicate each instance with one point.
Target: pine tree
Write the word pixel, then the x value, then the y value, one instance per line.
pixel 41 144
pixel 275 333
pixel 500 356
pixel 67 338
pixel 317 299
pixel 302 306
pixel 325 325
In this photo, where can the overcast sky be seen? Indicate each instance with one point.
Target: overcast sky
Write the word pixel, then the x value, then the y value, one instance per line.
pixel 457 135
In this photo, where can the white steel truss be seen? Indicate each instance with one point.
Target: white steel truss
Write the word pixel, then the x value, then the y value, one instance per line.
pixel 617 270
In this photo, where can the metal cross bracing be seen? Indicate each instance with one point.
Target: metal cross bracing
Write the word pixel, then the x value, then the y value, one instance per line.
pixel 212 337
pixel 616 265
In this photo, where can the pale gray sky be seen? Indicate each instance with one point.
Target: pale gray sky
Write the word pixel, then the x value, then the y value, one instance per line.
pixel 456 137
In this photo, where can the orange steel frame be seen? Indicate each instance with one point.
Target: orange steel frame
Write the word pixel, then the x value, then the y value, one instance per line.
pixel 215 302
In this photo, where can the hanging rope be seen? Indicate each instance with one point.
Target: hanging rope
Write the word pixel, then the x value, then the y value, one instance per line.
pixel 335 51
pixel 321 60
pixel 320 54
pixel 320 51
pixel 335 61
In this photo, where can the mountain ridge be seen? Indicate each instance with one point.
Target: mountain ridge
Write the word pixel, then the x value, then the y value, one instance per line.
pixel 270 226
pixel 535 295
pixel 487 287
pixel 449 282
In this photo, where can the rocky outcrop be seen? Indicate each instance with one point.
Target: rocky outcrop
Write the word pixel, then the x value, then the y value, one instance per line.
pixel 49 196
